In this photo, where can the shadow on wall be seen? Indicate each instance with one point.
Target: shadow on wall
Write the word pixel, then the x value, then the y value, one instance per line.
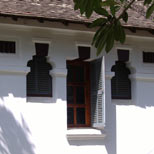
pixel 13 138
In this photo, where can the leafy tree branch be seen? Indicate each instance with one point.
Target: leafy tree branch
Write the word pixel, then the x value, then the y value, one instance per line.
pixel 109 24
pixel 125 9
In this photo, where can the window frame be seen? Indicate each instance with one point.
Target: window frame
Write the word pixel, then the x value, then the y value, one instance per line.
pixel 87 104
pixel 17 46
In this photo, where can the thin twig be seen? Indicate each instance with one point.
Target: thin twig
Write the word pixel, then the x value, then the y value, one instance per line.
pixel 128 6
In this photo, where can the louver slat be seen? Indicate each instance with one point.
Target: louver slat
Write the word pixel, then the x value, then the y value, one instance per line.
pixel 7 47
pixel 121 89
pixel 148 57
pixel 39 82
pixel 120 83
pixel 97 94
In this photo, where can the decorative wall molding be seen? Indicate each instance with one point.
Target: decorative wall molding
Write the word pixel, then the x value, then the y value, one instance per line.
pixel 59 72
pixel 14 70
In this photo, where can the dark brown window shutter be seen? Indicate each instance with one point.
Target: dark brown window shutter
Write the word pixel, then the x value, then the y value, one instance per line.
pixel 39 82
pixel 120 83
pixel 7 47
pixel 121 89
pixel 148 57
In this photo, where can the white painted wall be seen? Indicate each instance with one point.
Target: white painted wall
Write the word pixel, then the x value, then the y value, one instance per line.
pixel 29 126
pixel 134 118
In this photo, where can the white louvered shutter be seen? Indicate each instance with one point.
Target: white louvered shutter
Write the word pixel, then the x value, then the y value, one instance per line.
pixel 97 93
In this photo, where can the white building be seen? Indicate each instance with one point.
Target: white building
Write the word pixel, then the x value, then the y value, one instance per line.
pixel 56 101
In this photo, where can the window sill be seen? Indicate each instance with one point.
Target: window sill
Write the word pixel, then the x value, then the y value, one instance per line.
pixel 39 99
pixel 84 134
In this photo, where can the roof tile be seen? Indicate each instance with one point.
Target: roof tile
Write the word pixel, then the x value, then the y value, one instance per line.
pixel 64 9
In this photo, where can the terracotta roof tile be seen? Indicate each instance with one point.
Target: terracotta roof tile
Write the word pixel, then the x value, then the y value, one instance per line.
pixel 64 10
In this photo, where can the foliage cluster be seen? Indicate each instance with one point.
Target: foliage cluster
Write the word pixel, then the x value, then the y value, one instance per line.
pixel 111 13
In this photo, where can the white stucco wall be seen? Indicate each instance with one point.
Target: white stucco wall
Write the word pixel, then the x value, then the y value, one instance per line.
pixel 134 118
pixel 29 126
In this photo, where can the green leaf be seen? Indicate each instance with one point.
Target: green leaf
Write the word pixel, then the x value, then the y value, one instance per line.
pixel 102 11
pixel 121 1
pixel 100 48
pixel 105 3
pixel 82 6
pixel 112 9
pixel 109 41
pixel 89 13
pixel 117 8
pixel 122 35
pixel 100 36
pixel 101 43
pixel 97 3
pixel 76 5
pixel 147 2
pixel 86 6
pixel 125 17
pixel 97 34
pixel 119 32
pixel 101 40
pixel 89 8
pixel 150 11
pixel 116 32
pixel 98 22
pixel 109 3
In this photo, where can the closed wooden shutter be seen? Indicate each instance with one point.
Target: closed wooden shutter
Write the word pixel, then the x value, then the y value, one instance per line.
pixel 120 88
pixel 97 93
pixel 148 57
pixel 39 82
pixel 7 47
pixel 120 83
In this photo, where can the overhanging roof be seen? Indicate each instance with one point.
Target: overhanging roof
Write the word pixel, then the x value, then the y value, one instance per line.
pixel 63 10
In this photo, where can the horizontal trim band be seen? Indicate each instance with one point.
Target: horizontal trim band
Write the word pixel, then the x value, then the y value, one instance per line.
pixel 14 70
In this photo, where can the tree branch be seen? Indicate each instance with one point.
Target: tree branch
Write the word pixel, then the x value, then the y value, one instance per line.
pixel 128 6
